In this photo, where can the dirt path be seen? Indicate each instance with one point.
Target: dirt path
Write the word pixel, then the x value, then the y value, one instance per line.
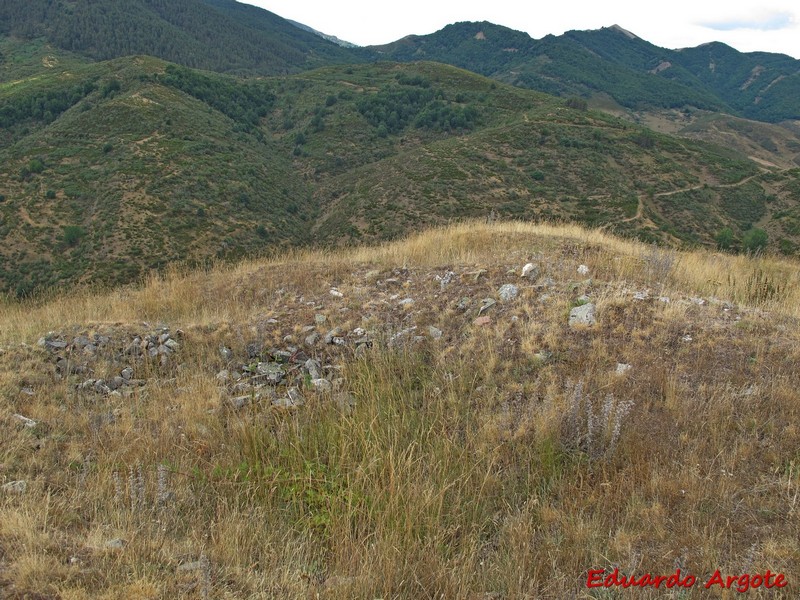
pixel 641 198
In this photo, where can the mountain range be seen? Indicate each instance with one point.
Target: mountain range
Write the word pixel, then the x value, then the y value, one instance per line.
pixel 140 134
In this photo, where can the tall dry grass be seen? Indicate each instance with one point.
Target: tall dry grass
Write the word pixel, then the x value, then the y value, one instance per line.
pixel 466 468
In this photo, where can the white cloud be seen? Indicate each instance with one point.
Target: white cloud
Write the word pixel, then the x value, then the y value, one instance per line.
pixel 770 21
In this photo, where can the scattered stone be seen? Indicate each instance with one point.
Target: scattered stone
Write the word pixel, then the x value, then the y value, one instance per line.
pixel 336 293
pixel 487 304
pixel 321 384
pixel 197 565
pixel 508 292
pixel 115 544
pixel 15 487
pixel 444 280
pixel 583 270
pixel 55 344
pixel 223 375
pixel 406 302
pixel 272 321
pixel 126 373
pixel 226 353
pixel 435 332
pixel 582 315
pixel 530 271
pixel 28 391
pixel 319 319
pixel 239 402
pixel 663 299
pixel 333 333
pixel 281 356
pixel 293 399
pixel 312 339
pixel 481 321
pixel 80 341
pixel 115 383
pixel 686 338
pixel 345 401
pixel 463 304
pixel 477 274
pixel 640 295
pixel 623 368
pixel 271 372
pixel 698 301
pixel 583 299
pixel 313 368
pixel 173 345
pixel 400 335
pixel 29 423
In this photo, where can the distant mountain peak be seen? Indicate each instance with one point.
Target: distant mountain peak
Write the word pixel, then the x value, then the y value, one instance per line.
pixel 330 38
pixel 624 32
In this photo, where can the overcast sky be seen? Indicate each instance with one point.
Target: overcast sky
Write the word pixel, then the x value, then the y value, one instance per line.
pixel 745 25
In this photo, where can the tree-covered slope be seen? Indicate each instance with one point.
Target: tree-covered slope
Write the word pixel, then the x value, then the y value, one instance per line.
pixel 613 61
pixel 218 35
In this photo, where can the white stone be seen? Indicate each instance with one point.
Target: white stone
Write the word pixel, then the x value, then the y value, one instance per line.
pixel 623 368
pixel 15 487
pixel 582 315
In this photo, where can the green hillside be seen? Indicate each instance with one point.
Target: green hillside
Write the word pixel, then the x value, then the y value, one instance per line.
pixel 615 62
pixel 218 35
pixel 112 169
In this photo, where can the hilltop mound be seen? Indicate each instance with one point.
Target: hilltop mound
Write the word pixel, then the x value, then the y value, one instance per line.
pixel 412 419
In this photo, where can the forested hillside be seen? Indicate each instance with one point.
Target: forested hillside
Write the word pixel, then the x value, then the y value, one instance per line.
pixel 217 35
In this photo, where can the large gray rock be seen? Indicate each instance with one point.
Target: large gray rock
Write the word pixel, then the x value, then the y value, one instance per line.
pixel 582 315
pixel 508 292
pixel 313 368
pixel 270 372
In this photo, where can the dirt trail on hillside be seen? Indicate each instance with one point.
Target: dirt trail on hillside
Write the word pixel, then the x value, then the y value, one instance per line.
pixel 641 198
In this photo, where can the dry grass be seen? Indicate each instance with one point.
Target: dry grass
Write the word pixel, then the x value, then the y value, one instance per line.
pixel 495 462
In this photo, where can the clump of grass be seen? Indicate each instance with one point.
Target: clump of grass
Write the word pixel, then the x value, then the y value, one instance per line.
pixel 595 432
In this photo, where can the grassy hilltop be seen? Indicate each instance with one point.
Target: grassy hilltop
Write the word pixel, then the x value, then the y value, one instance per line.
pixel 436 448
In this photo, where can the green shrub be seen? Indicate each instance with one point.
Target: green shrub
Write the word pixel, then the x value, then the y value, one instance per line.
pixel 73 234
pixel 754 240
pixel 724 239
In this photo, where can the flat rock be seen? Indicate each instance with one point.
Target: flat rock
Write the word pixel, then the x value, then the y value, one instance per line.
pixel 15 487
pixel 582 315
pixel 481 321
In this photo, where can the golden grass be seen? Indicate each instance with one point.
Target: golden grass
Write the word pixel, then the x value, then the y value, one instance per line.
pixel 465 468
